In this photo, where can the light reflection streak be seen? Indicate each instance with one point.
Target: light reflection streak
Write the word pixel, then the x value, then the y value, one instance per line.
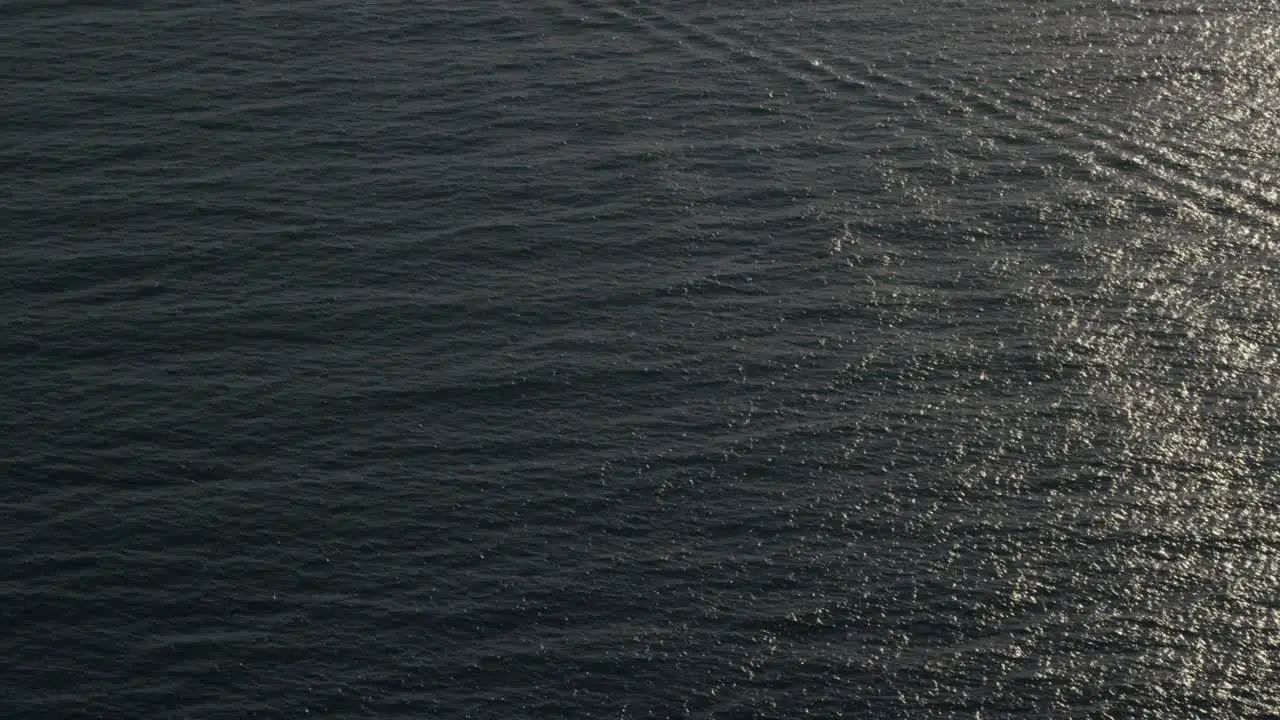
pixel 1178 355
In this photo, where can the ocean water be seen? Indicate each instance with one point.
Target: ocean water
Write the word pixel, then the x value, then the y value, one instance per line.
pixel 622 359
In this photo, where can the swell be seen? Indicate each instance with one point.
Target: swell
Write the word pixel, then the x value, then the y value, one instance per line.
pixel 1172 173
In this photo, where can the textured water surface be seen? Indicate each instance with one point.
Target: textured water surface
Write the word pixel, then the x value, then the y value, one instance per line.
pixel 601 358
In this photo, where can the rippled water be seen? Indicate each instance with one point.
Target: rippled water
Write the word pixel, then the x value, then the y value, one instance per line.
pixel 640 359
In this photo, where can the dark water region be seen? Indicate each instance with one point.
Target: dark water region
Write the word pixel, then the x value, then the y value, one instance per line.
pixel 603 358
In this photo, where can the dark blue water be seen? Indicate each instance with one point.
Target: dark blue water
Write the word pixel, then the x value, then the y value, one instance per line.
pixel 627 359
